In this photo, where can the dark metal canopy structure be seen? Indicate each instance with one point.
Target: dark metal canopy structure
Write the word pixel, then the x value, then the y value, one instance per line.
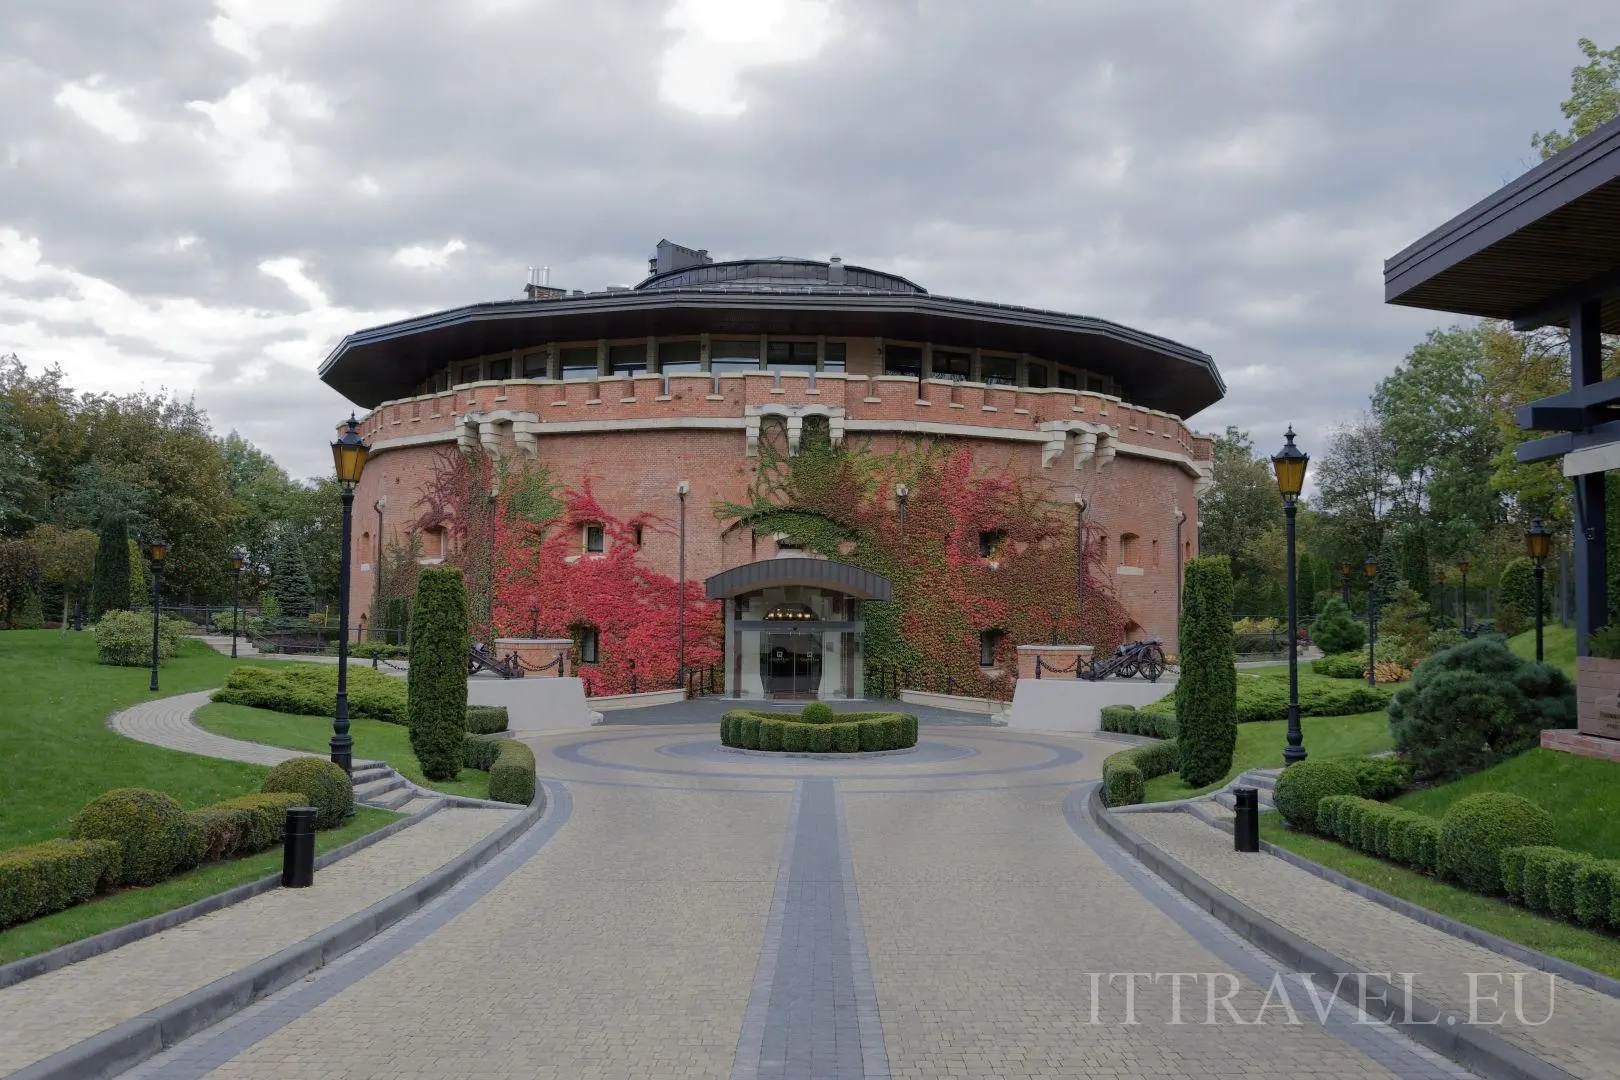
pixel 1543 251
pixel 785 297
pixel 851 580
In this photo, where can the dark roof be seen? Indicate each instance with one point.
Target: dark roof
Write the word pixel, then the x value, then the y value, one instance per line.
pixel 782 272
pixel 387 362
pixel 1531 251
pixel 821 573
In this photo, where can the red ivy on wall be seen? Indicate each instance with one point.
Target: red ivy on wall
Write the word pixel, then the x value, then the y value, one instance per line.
pixel 532 537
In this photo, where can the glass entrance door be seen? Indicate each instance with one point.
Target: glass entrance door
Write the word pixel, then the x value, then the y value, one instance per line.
pixel 791 663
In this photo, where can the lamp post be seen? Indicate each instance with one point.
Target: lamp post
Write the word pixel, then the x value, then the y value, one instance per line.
pixel 156 548
pixel 682 489
pixel 1080 563
pixel 1372 622
pixel 1344 580
pixel 349 453
pixel 534 621
pixel 1539 543
pixel 238 560
pixel 1463 566
pixel 900 494
pixel 1289 464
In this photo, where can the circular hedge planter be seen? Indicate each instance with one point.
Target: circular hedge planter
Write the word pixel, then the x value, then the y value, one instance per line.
pixel 818 730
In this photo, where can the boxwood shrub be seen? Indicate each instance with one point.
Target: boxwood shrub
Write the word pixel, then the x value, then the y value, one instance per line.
pixel 1128 720
pixel 1303 785
pixel 1262 699
pixel 845 733
pixel 311 690
pixel 1377 828
pixel 1380 778
pixel 1125 773
pixel 478 751
pixel 1477 828
pixel 511 775
pixel 322 784
pixel 267 816
pixel 56 874
pixel 486 719
pixel 1597 893
pixel 124 638
pixel 153 834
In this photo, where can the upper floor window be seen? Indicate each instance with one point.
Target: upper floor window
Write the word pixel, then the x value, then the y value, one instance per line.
pixel 637 534
pixel 791 356
pixel 730 357
pixel 579 363
pixel 832 358
pixel 952 365
pixel 628 360
pixel 676 357
pixel 595 540
pixel 1037 374
pixel 999 370
pixel 989 541
pixel 469 373
pixel 535 365
pixel 902 360
pixel 500 369
pixel 1068 380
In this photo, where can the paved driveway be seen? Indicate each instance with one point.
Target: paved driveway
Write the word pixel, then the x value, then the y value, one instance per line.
pixel 699 913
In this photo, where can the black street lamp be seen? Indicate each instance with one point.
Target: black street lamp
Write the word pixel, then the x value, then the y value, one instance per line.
pixel 682 489
pixel 1289 464
pixel 1463 566
pixel 238 560
pixel 900 494
pixel 1372 621
pixel 534 621
pixel 1344 580
pixel 349 453
pixel 156 548
pixel 1539 543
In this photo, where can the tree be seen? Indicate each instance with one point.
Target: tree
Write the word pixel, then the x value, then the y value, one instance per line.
pixel 289 581
pixel 1593 101
pixel 19 580
pixel 1240 517
pixel 1414 568
pixel 1356 483
pixel 66 559
pixel 1337 631
pixel 437 681
pixel 1206 693
pixel 109 588
pixel 95 493
pixel 19 475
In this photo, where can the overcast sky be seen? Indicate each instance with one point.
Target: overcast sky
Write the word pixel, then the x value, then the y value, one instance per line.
pixel 205 195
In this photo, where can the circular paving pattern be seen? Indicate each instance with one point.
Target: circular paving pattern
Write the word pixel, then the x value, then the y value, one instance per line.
pixel 926 752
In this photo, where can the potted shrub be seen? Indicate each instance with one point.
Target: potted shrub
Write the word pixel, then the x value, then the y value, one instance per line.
pixel 1597 684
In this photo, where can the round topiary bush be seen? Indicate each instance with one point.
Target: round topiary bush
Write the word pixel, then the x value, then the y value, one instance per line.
pixel 817 712
pixel 323 784
pixel 154 833
pixel 1302 786
pixel 1478 828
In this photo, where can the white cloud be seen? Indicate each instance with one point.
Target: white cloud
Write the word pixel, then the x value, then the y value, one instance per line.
pixel 721 38
pixel 251 130
pixel 101 109
pixel 240 22
pixel 290 272
pixel 418 257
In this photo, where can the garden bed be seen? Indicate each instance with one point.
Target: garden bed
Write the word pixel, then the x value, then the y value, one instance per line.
pixel 818 730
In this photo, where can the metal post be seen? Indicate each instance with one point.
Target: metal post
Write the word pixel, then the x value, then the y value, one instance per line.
pixel 342 744
pixel 1294 751
pixel 298 848
pixel 1246 825
pixel 1372 633
pixel 157 601
pixel 680 611
pixel 236 595
pixel 1540 572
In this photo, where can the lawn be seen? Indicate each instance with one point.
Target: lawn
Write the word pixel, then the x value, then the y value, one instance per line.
pixel 132 905
pixel 372 739
pixel 1259 746
pixel 1582 794
pixel 58 751
pixel 1588 948
pixel 1557 646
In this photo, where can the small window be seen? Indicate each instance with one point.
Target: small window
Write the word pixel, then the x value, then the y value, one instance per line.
pixel 791 356
pixel 952 365
pixel 1153 553
pixel 500 370
pixel 1097 384
pixel 999 370
pixel 988 642
pixel 1037 374
pixel 637 531
pixel 1068 380
pixel 469 373
pixel 731 357
pixel 589 644
pixel 678 357
pixel 441 381
pixel 534 366
pixel 595 541
pixel 579 364
pixel 628 360
pixel 833 357
pixel 1128 553
pixel 902 360
pixel 989 541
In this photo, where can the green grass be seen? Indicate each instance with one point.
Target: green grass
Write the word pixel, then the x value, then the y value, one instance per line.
pixel 1557 645
pixel 1582 794
pixel 132 905
pixel 1259 746
pixel 1588 948
pixel 58 751
pixel 372 739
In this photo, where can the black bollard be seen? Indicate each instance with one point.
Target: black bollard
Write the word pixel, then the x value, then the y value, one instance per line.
pixel 1246 834
pixel 298 849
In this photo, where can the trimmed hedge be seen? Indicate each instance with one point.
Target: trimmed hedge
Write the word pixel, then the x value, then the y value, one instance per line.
pixel 486 719
pixel 1377 828
pixel 1259 700
pixel 478 751
pixel 56 874
pixel 311 690
pixel 1346 665
pixel 1302 786
pixel 1380 778
pixel 847 733
pixel 1476 829
pixel 322 784
pixel 1597 893
pixel 1125 773
pixel 511 775
pixel 153 834
pixel 243 825
pixel 1128 720
pixel 437 681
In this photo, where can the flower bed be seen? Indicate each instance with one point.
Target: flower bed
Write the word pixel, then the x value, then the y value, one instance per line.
pixel 818 730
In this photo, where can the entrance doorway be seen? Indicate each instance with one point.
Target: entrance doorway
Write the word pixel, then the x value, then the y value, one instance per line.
pixel 791 664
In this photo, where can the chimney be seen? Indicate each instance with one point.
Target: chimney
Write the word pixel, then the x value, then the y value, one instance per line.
pixel 539 286
pixel 835 271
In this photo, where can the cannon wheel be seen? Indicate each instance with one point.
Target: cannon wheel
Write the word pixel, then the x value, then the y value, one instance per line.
pixel 1152 663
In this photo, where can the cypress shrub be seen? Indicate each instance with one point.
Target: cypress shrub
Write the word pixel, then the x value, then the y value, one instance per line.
pixel 1206 695
pixel 1337 631
pixel 109 582
pixel 1476 829
pixel 436 701
pixel 511 776
pixel 319 783
pixel 153 834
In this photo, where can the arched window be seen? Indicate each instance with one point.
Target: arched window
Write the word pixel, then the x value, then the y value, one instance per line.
pixel 816 432
pixel 1129 550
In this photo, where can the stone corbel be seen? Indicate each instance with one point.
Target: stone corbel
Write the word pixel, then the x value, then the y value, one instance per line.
pixel 1085 448
pixel 486 437
pixel 795 430
pixel 1206 477
pixel 835 427
pixel 751 426
pixel 524 434
pixel 467 432
pixel 1107 447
